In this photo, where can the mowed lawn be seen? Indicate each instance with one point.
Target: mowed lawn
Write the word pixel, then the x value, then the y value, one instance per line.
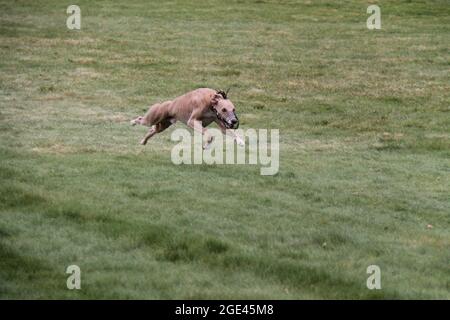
pixel 364 179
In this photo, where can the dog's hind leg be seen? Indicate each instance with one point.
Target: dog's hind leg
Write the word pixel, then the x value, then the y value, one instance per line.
pixel 157 128
pixel 151 132
pixel 153 116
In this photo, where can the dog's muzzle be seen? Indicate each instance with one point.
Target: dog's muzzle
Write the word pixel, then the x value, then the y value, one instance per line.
pixel 231 122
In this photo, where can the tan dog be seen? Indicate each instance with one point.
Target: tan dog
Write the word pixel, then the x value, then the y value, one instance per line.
pixel 197 109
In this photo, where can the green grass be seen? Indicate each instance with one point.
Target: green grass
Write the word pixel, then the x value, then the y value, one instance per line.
pixel 364 120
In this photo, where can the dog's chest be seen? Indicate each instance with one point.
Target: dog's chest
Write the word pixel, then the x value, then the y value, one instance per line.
pixel 208 117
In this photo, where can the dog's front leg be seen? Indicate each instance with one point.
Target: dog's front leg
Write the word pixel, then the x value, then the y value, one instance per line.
pixel 197 126
pixel 237 138
pixel 231 133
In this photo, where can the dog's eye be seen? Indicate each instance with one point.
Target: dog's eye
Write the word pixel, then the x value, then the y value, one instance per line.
pixel 234 109
pixel 224 110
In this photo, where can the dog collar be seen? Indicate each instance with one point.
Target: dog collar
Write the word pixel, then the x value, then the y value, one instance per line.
pixel 223 120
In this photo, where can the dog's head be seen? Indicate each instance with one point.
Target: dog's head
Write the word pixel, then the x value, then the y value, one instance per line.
pixel 225 110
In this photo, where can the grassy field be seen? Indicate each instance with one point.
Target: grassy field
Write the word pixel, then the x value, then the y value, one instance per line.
pixel 364 120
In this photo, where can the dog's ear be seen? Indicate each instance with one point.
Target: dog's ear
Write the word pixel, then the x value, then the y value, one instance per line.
pixel 215 99
pixel 223 93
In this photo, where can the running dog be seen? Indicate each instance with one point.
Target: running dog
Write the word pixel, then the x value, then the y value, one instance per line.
pixel 197 109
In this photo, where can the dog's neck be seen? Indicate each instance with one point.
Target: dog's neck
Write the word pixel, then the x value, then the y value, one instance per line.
pixel 223 93
pixel 217 114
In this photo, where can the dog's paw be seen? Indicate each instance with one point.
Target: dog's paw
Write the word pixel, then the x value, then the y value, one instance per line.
pixel 239 141
pixel 207 146
pixel 133 122
pixel 208 143
pixel 143 142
